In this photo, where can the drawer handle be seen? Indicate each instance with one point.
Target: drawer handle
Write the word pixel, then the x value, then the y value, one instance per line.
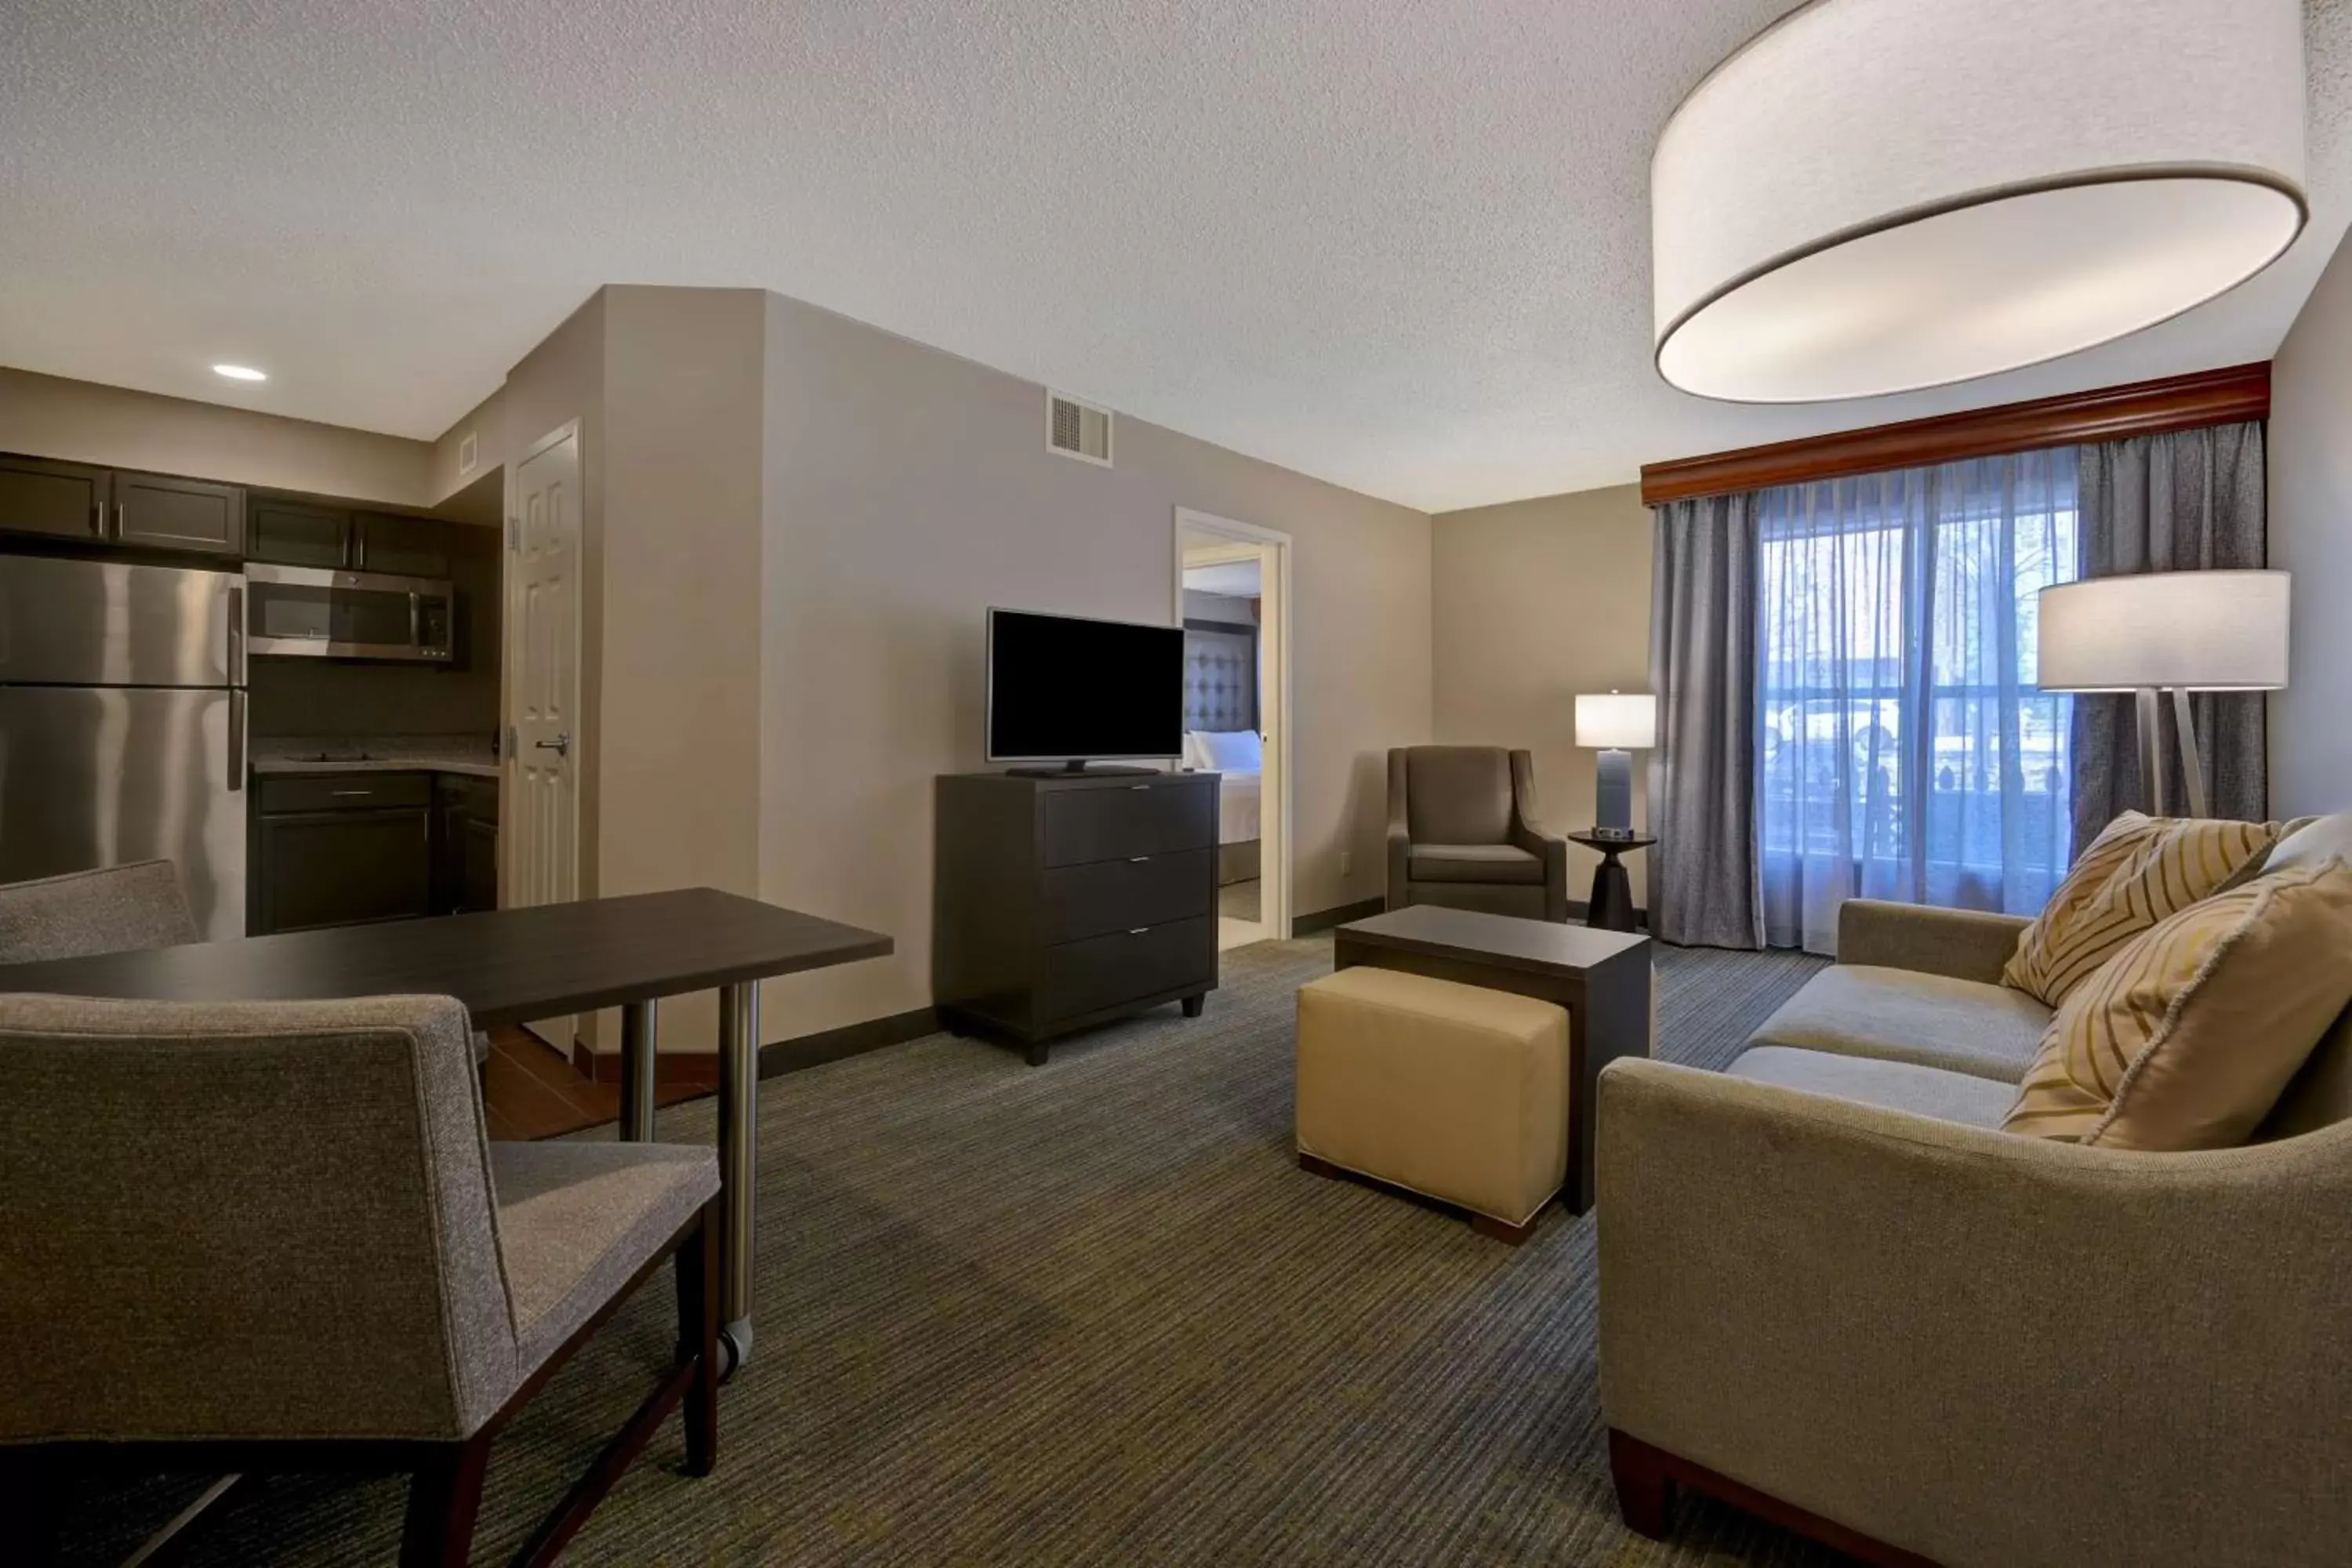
pixel 1137 931
pixel 353 791
pixel 1139 786
pixel 1137 859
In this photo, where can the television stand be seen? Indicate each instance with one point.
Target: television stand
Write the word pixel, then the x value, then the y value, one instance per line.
pixel 1065 901
pixel 1078 767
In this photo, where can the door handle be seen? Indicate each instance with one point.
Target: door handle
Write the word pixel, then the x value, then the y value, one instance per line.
pixel 236 634
pixel 235 739
pixel 561 745
pixel 122 514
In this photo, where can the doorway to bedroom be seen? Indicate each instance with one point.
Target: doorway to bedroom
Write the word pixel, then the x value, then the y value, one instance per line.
pixel 1233 591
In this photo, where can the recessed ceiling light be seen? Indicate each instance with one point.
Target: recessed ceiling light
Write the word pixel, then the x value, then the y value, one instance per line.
pixel 240 373
pixel 1878 195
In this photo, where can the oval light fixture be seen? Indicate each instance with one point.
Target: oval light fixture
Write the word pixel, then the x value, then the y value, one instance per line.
pixel 1878 195
pixel 240 373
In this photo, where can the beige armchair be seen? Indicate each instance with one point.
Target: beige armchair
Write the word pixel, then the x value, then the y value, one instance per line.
pixel 263 1236
pixel 1464 833
pixel 1833 1292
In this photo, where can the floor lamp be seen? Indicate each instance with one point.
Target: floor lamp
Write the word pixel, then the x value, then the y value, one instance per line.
pixel 2166 631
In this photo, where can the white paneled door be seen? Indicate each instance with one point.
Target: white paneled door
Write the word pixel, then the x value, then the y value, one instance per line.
pixel 541 830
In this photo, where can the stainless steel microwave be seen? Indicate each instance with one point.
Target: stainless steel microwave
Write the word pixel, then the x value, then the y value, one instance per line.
pixel 315 612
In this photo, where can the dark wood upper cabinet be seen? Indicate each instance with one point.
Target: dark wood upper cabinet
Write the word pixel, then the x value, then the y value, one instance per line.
pixel 400 546
pixel 292 533
pixel 164 513
pixel 62 500
pixel 306 534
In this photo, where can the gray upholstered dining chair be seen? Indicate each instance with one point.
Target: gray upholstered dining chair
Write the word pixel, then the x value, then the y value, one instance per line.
pixel 117 909
pixel 263 1236
pixel 1463 832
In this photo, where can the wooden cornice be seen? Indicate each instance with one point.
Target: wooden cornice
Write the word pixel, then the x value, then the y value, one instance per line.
pixel 2235 395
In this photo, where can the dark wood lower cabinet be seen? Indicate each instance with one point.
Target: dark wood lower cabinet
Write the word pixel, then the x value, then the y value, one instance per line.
pixel 342 868
pixel 466 859
pixel 332 850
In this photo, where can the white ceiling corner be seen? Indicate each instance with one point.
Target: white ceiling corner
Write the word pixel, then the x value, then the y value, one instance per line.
pixel 1401 246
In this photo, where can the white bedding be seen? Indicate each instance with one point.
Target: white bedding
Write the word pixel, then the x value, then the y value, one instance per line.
pixel 1235 755
pixel 1237 807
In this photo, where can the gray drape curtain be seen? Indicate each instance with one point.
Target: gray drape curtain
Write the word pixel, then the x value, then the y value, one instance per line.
pixel 2189 501
pixel 1704 877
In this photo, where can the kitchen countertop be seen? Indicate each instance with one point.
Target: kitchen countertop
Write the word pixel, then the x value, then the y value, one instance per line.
pixel 468 754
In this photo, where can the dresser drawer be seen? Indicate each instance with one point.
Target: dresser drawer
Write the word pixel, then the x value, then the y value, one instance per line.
pixel 1119 895
pixel 1102 972
pixel 1124 820
pixel 351 791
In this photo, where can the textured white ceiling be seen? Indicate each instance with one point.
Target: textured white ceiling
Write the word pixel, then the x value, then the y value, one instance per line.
pixel 1398 244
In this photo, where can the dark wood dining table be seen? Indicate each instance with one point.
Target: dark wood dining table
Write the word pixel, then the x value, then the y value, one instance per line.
pixel 511 966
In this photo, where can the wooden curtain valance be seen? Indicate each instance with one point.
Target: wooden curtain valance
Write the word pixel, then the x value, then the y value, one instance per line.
pixel 2231 397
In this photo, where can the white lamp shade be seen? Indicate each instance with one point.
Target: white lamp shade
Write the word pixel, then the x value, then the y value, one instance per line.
pixel 1617 720
pixel 1877 196
pixel 2201 631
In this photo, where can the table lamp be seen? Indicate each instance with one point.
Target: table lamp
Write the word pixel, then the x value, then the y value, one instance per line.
pixel 1616 722
pixel 2176 631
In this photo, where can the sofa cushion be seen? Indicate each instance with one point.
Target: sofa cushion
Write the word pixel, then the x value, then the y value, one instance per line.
pixel 1896 1086
pixel 2310 841
pixel 1900 1014
pixel 2187 1037
pixel 2321 1094
pixel 1472 863
pixel 2137 871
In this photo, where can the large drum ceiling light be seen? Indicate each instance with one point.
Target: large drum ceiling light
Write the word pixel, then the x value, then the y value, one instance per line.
pixel 1876 196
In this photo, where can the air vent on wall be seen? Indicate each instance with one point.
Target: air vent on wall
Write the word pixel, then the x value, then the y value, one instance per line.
pixel 1077 429
pixel 468 453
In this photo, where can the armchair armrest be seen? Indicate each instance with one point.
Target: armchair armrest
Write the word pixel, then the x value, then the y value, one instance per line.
pixel 1400 839
pixel 1529 833
pixel 1965 944
pixel 1980 1347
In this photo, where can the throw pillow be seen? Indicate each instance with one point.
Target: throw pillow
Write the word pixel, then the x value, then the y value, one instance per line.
pixel 2185 1038
pixel 2137 872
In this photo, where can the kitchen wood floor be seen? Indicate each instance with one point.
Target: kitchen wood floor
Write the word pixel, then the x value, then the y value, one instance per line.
pixel 531 1090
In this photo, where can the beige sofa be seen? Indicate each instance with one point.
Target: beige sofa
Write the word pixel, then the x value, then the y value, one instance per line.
pixel 1833 1292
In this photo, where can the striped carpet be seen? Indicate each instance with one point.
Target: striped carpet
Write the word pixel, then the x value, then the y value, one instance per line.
pixel 1090 1313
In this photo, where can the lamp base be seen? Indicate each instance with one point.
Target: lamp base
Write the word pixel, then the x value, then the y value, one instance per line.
pixel 1612 792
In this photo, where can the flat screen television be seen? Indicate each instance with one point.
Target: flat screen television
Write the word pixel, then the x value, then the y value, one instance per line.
pixel 1062 689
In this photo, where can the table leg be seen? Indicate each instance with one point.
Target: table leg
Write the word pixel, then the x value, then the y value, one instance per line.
pixel 1612 906
pixel 640 1043
pixel 739 1161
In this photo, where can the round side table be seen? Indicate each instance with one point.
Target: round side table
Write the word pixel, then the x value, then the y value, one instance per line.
pixel 1611 908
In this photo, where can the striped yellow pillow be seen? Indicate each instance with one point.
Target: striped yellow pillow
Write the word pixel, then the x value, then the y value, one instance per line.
pixel 2186 1037
pixel 2137 872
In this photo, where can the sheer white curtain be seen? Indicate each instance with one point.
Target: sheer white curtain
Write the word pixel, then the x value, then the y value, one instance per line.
pixel 1902 749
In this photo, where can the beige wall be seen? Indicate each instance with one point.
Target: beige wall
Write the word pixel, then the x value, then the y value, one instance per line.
pixel 679 714
pixel 2311 536
pixel 1534 602
pixel 907 490
pixel 48 417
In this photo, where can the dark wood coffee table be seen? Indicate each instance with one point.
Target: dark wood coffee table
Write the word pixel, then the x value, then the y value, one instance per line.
pixel 1601 977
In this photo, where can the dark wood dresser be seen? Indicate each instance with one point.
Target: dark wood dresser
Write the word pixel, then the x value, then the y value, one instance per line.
pixel 1064 901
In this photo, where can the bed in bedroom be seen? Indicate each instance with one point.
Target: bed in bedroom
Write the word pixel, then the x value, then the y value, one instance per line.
pixel 1235 754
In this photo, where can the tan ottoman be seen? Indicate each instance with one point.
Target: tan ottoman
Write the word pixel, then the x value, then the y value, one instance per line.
pixel 1453 1091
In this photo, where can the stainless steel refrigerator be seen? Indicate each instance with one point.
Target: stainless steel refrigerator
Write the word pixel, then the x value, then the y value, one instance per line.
pixel 122 716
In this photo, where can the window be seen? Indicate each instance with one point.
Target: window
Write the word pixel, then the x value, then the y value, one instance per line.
pixel 1903 751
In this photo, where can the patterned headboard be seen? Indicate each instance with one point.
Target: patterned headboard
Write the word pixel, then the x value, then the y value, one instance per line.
pixel 1220 679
